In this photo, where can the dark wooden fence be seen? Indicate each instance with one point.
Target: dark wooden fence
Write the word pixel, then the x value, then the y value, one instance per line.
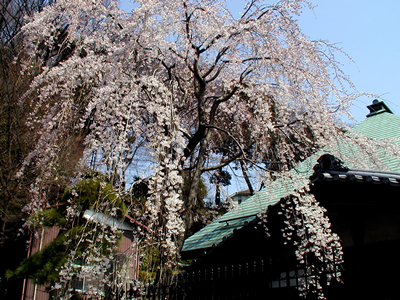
pixel 247 280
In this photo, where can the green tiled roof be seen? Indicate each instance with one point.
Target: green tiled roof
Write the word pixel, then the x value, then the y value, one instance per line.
pixel 382 125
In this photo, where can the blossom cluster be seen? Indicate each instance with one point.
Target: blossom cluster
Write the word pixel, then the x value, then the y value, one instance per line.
pixel 165 202
pixel 318 249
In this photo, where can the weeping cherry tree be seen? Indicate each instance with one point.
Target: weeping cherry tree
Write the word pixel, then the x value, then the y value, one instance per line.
pixel 194 86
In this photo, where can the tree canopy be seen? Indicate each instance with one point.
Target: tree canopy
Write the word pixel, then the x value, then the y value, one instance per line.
pixel 195 87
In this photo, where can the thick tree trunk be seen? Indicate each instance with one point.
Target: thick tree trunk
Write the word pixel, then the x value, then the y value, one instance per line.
pixel 191 201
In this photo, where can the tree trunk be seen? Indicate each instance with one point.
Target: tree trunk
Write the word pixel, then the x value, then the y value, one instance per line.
pixel 191 201
pixel 246 177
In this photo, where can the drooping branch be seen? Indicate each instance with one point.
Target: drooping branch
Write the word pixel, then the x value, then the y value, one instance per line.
pixel 242 152
pixel 218 72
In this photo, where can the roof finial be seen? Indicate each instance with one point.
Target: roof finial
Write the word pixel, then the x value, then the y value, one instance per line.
pixel 377 107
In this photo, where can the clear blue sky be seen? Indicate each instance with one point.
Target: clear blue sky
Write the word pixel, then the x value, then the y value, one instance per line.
pixel 368 31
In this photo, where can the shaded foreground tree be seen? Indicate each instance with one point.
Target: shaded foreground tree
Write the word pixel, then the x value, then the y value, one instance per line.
pixel 197 88
pixel 15 141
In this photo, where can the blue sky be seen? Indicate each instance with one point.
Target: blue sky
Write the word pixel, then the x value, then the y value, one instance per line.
pixel 368 31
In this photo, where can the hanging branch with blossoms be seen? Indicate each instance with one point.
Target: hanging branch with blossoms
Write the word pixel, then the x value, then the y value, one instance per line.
pixel 164 203
pixel 318 249
pixel 307 229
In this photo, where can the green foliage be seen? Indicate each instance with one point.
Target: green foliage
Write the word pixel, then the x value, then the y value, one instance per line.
pixel 201 188
pixel 221 177
pixel 48 218
pixel 89 193
pixel 150 263
pixel 43 266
